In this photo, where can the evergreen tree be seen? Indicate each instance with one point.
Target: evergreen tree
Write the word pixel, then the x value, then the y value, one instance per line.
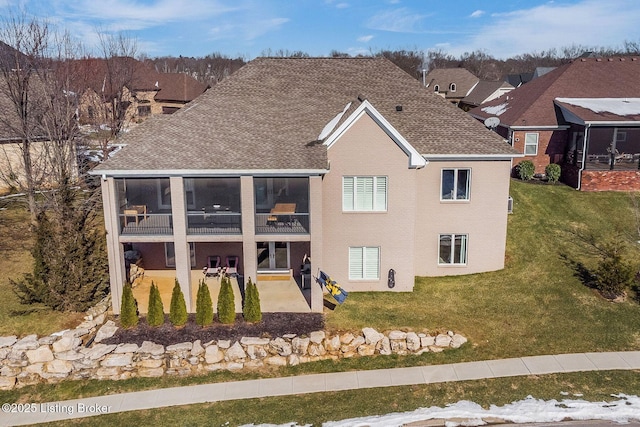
pixel 155 313
pixel 226 303
pixel 129 308
pixel 251 310
pixel 178 310
pixel 204 306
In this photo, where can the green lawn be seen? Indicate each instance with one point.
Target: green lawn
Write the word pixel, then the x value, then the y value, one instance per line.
pixel 536 305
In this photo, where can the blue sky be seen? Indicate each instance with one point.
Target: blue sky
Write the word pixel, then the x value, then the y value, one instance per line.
pixel 248 28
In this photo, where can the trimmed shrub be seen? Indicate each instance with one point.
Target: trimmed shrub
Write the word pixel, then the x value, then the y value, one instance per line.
pixel 251 310
pixel 526 169
pixel 204 306
pixel 129 308
pixel 226 303
pixel 155 314
pixel 552 171
pixel 178 309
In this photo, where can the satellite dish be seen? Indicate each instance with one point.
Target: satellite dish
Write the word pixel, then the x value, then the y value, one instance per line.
pixel 492 122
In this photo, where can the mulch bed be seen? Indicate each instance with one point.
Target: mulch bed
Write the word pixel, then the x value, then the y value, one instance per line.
pixel 272 325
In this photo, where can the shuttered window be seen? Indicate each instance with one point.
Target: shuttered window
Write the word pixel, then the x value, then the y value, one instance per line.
pixel 364 263
pixel 364 193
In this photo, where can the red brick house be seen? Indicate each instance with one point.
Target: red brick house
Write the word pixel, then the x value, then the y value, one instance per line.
pixel 584 115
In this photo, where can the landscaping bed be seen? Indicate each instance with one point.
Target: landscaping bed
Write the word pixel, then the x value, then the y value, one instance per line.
pixel 272 325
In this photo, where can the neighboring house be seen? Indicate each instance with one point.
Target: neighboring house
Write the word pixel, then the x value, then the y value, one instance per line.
pixel 364 172
pixel 517 80
pixel 146 91
pixel 453 84
pixel 584 116
pixel 484 91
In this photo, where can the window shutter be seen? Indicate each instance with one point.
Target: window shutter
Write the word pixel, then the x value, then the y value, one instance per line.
pixel 381 194
pixel 347 193
pixel 355 263
pixel 372 260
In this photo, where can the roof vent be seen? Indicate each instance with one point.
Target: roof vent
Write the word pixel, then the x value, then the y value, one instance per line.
pixel 361 98
pixel 398 107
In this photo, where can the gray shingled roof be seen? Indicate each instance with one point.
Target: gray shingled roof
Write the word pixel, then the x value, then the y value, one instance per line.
pixel 269 114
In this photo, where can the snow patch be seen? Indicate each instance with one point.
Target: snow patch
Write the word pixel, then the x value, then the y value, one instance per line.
pixel 496 110
pixel 617 106
pixel 332 124
pixel 624 409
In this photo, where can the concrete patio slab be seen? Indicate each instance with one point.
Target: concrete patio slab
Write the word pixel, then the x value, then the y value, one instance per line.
pixel 542 364
pixel 575 362
pixel 631 357
pixel 439 373
pixel 341 381
pixel 508 367
pixel 472 370
pixel 309 383
pixel 605 361
pixel 375 378
pixel 407 376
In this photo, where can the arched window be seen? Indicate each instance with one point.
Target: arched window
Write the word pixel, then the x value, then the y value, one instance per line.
pixel 452 87
pixel 436 88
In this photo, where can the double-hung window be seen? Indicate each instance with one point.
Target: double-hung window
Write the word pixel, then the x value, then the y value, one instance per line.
pixel 452 249
pixel 455 184
pixel 530 144
pixel 364 263
pixel 364 193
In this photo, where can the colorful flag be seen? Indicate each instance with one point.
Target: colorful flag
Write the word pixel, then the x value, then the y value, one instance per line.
pixel 336 291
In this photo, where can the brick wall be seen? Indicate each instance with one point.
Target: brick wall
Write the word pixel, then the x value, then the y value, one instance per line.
pixel 610 180
pixel 551 146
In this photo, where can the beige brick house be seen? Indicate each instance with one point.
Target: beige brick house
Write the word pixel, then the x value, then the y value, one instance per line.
pixel 348 160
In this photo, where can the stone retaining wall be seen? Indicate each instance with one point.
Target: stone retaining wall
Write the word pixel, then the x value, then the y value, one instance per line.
pixel 70 354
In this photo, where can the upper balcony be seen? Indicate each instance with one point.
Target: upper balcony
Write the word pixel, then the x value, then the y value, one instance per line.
pixel 282 205
pixel 144 206
pixel 213 206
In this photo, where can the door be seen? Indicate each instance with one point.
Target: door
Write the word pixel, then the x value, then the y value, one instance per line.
pixel 273 256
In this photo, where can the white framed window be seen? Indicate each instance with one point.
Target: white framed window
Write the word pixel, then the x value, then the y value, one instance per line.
pixel 531 144
pixel 452 249
pixel 455 184
pixel 436 88
pixel 364 193
pixel 452 87
pixel 364 263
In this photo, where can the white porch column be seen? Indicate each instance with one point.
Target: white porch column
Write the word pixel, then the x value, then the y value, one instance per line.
pixel 315 224
pixel 115 253
pixel 247 204
pixel 181 246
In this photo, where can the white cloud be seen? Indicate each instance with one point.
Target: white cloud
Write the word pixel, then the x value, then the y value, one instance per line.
pixel 400 20
pixel 587 22
pixel 477 14
pixel 342 5
pixel 365 39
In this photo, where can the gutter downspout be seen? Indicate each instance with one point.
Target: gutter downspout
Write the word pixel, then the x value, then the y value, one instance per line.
pixel 584 154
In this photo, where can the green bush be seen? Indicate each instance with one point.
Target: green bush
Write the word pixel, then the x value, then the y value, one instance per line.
pixel 129 308
pixel 204 306
pixel 155 314
pixel 226 303
pixel 553 172
pixel 526 169
pixel 251 310
pixel 178 309
pixel 613 273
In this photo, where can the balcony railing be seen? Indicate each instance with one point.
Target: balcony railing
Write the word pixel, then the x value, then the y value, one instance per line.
pixel 268 223
pixel 214 223
pixel 147 224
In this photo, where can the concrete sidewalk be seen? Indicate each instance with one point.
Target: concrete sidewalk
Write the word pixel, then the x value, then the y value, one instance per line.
pixel 533 365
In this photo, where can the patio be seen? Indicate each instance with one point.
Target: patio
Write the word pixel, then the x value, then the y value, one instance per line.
pixel 275 295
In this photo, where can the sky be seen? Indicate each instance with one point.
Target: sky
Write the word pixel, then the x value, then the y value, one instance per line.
pixel 620 409
pixel 251 28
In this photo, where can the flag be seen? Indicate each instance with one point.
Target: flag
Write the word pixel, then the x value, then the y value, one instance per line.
pixel 336 291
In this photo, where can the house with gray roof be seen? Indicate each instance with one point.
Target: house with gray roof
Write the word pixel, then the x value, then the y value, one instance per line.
pixel 347 162
pixel 584 115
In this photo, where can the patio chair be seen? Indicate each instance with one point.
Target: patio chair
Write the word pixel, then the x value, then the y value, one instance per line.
pixel 232 265
pixel 213 267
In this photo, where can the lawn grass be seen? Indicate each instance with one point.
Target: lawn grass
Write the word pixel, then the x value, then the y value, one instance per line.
pixel 16 241
pixel 317 408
